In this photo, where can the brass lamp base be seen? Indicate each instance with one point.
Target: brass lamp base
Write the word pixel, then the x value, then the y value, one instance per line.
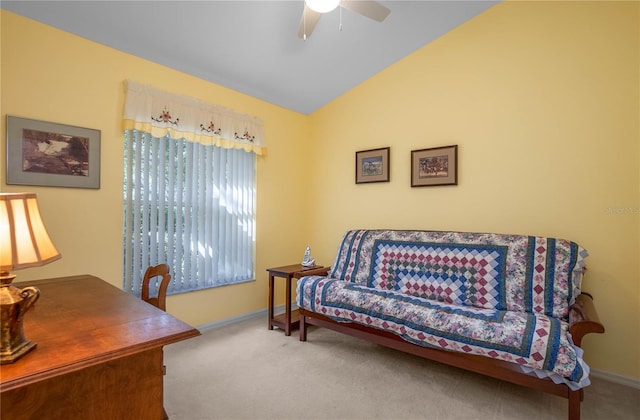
pixel 15 354
pixel 14 303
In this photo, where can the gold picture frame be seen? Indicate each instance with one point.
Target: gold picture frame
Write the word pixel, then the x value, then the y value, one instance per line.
pixel 372 165
pixel 434 166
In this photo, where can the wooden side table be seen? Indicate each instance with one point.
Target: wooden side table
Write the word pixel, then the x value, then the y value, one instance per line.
pixel 284 321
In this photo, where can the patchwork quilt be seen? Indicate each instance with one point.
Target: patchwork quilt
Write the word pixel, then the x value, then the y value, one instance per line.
pixel 502 296
pixel 486 270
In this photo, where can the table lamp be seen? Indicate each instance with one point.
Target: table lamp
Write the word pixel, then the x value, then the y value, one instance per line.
pixel 24 242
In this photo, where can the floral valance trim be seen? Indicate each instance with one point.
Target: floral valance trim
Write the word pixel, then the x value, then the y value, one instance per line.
pixel 161 113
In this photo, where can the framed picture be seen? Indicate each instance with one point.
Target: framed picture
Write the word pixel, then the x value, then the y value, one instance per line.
pixel 435 166
pixel 53 155
pixel 372 165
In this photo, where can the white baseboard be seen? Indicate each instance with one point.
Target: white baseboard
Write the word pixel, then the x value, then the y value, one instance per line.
pixel 240 318
pixel 602 374
pixel 618 379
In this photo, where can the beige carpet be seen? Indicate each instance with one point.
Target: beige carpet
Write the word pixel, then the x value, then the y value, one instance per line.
pixel 245 371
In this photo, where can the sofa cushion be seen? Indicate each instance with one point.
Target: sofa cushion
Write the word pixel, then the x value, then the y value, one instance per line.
pixel 484 270
pixel 533 340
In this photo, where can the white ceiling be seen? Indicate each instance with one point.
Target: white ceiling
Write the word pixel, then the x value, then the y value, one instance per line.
pixel 252 46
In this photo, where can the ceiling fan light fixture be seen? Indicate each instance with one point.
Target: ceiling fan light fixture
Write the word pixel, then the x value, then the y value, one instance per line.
pixel 322 6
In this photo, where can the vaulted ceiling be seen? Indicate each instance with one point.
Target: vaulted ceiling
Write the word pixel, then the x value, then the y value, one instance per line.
pixel 252 46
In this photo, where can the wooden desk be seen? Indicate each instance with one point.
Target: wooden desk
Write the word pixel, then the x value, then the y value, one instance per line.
pixel 98 354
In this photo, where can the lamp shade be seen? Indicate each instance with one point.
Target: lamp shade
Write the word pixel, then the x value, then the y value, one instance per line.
pixel 322 6
pixel 24 241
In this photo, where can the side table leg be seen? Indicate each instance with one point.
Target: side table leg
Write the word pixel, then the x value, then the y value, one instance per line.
pixel 287 305
pixel 270 302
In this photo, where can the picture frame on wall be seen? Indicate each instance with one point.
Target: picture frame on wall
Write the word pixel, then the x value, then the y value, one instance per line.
pixel 434 166
pixel 51 154
pixel 372 165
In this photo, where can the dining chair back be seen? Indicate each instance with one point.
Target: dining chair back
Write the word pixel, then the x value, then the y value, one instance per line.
pixel 160 300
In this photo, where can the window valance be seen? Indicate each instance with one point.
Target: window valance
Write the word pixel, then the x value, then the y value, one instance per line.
pixel 162 113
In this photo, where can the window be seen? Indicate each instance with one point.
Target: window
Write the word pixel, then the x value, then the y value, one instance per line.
pixel 191 206
pixel 189 189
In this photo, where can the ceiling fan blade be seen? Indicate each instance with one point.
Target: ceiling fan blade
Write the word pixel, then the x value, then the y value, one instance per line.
pixel 371 9
pixel 308 22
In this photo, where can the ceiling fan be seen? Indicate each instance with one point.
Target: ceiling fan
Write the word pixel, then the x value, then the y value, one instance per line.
pixel 313 9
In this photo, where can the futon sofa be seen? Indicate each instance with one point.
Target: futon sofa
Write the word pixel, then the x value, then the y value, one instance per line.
pixel 507 306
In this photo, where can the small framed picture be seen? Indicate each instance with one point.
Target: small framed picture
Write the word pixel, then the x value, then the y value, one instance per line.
pixel 372 165
pixel 435 166
pixel 51 154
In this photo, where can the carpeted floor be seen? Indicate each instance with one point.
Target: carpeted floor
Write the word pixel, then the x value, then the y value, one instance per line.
pixel 245 371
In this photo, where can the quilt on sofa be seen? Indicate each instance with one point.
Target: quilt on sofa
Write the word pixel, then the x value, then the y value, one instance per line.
pixel 501 296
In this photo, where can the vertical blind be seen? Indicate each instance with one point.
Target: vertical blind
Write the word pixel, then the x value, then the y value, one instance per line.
pixel 191 206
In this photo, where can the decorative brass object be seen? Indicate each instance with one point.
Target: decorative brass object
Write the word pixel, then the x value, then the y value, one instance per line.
pixel 14 304
pixel 24 242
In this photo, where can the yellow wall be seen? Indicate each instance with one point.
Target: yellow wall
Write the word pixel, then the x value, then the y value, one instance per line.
pixel 55 76
pixel 542 99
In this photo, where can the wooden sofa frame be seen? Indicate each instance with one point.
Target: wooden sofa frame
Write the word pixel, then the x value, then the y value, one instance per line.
pixel 583 319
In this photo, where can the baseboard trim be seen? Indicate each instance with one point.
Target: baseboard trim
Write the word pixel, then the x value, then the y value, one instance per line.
pixel 210 326
pixel 618 379
pixel 602 374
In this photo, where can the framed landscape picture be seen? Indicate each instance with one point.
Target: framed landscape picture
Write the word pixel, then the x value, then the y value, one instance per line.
pixel 372 165
pixel 435 166
pixel 51 154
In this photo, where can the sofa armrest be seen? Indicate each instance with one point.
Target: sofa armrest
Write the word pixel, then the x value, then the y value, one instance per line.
pixel 583 318
pixel 320 271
